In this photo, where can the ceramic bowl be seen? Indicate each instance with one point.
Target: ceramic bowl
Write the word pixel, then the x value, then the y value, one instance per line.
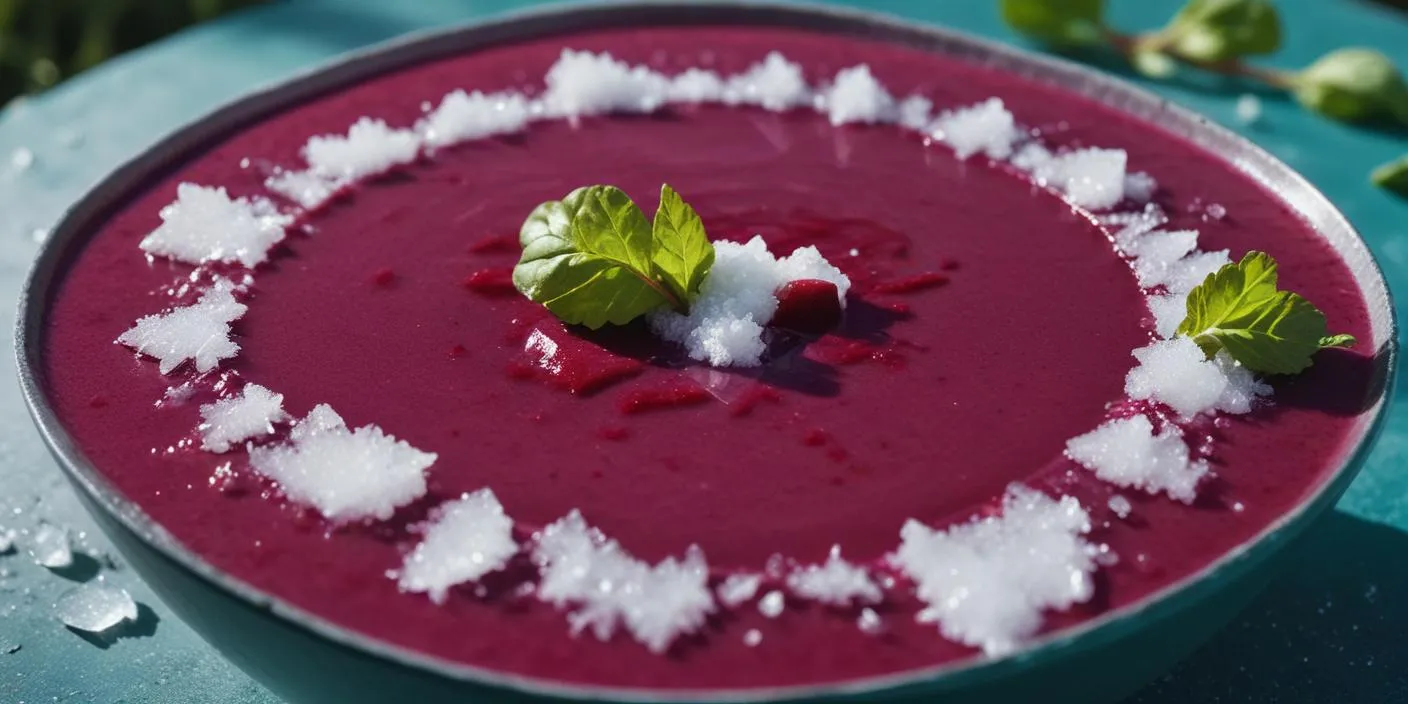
pixel 306 659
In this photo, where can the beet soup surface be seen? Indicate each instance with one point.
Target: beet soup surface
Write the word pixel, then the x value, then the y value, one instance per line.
pixel 929 400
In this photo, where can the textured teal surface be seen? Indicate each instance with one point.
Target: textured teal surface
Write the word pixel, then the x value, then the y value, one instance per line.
pixel 1330 630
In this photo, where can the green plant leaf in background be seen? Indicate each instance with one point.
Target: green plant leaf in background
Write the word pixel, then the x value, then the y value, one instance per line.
pixel 1059 22
pixel 1392 176
pixel 1219 30
pixel 43 42
pixel 1352 85
pixel 1355 85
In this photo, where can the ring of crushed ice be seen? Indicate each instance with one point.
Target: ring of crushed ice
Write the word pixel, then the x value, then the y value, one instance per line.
pixel 986 582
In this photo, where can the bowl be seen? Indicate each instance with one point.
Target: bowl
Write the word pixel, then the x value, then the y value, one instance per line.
pixel 307 659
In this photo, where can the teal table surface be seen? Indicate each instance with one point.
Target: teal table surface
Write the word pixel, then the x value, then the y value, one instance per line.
pixel 1332 629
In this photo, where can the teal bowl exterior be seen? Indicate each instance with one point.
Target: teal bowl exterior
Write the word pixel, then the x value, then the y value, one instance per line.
pixel 308 660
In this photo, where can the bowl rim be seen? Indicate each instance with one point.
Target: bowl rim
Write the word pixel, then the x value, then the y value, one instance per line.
pixel 71 232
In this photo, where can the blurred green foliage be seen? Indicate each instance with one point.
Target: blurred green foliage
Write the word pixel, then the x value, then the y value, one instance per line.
pixel 43 42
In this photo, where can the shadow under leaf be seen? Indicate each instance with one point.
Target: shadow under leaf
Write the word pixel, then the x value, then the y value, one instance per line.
pixel 1340 383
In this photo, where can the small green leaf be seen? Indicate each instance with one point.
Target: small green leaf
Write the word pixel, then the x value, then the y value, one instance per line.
pixel 1337 341
pixel 587 258
pixel 1279 339
pixel 1219 30
pixel 1060 22
pixel 683 254
pixel 1238 308
pixel 1392 176
pixel 1354 85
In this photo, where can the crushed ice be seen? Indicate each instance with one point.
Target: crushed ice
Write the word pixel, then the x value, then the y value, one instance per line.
pixel 466 539
pixel 346 474
pixel 95 608
pixel 50 547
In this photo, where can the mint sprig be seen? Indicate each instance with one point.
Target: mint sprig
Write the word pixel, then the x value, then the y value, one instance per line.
pixel 1238 308
pixel 1222 30
pixel 592 258
pixel 682 250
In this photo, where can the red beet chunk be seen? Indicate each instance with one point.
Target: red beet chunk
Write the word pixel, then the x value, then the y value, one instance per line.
pixel 492 282
pixel 673 394
pixel 383 277
pixel 615 433
pixel 568 362
pixel 496 244
pixel 910 284
pixel 838 351
pixel 807 306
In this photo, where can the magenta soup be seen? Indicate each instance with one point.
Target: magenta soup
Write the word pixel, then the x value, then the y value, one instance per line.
pixel 988 323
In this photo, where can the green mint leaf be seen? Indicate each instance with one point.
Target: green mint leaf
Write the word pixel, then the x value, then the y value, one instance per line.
pixel 1353 85
pixel 1238 308
pixel 682 252
pixel 1280 339
pixel 1392 176
pixel 1220 30
pixel 587 258
pixel 1060 22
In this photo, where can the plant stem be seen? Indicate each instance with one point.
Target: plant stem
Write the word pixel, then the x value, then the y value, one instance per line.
pixel 1207 339
pixel 678 305
pixel 1128 45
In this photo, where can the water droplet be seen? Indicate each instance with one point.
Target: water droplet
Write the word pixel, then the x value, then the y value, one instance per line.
pixel 22 159
pixel 771 604
pixel 869 622
pixel 1120 505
